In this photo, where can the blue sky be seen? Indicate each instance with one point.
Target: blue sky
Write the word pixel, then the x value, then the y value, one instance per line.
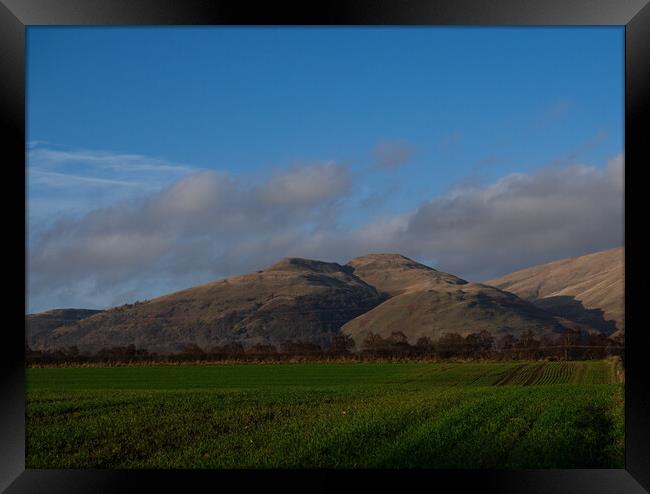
pixel 387 122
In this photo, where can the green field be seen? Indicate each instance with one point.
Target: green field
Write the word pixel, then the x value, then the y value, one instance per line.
pixel 347 415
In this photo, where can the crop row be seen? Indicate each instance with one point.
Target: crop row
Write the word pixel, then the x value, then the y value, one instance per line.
pixel 465 427
pixel 431 415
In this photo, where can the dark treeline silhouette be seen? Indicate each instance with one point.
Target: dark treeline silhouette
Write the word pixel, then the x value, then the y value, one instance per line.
pixel 341 346
pixel 569 345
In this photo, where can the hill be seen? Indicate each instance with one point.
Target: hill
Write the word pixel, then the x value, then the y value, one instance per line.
pixel 588 289
pixel 45 322
pixel 309 300
pixel 395 274
pixel 295 298
pixel 426 302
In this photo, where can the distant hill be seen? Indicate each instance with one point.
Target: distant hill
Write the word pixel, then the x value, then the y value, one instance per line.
pixel 45 322
pixel 426 302
pixel 588 289
pixel 293 299
pixel 310 300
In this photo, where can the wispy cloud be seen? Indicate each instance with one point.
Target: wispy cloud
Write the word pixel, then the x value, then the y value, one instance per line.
pixel 70 181
pixel 553 112
pixel 392 153
pixel 43 157
pixel 450 141
pixel 54 179
pixel 35 143
pixel 582 149
pixel 493 159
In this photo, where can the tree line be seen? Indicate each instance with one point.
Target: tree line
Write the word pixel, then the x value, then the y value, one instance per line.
pixel 569 345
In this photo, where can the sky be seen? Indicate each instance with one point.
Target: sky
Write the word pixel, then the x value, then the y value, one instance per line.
pixel 159 158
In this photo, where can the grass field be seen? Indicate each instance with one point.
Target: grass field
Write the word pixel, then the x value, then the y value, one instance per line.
pixel 349 415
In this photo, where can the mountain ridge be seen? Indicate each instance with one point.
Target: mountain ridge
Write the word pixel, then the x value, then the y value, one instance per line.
pixel 424 302
pixel 292 299
pixel 587 289
pixel 405 273
pixel 311 300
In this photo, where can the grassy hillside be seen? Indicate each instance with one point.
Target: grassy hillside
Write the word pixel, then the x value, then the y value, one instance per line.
pixel 433 312
pixel 426 302
pixel 395 274
pixel 506 415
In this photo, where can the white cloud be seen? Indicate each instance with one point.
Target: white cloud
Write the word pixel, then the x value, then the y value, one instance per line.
pixel 522 219
pixel 303 186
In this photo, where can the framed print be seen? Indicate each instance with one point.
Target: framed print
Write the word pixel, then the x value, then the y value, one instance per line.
pixel 352 243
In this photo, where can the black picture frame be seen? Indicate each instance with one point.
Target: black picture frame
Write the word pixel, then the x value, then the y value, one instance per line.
pixel 16 15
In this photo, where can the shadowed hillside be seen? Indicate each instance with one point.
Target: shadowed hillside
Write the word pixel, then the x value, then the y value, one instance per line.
pixel 587 289
pixel 292 299
pixel 45 322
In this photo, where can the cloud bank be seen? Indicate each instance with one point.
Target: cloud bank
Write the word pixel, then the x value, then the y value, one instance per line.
pixel 209 224
pixel 522 220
